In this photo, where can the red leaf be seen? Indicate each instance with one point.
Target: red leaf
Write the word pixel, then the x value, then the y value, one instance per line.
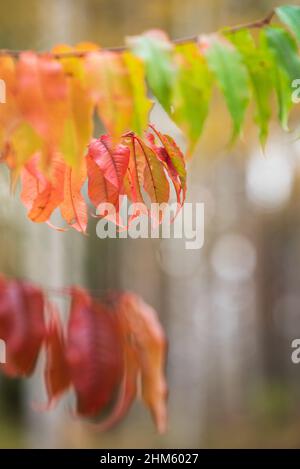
pixel 171 156
pixel 112 161
pixel 22 325
pixel 93 353
pixel 99 189
pixel 56 372
pixel 127 391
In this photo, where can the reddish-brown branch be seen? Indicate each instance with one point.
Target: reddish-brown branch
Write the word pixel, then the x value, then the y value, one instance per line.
pixel 189 39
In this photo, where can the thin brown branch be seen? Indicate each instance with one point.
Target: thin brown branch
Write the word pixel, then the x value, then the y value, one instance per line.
pixel 189 39
pixel 256 24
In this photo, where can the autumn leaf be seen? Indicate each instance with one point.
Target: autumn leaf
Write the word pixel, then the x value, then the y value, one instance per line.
pixel 40 195
pixel 93 352
pixel 155 181
pixel 73 207
pixel 22 325
pixel 111 160
pixel 173 160
pixel 141 103
pixel 77 129
pixel 10 113
pixel 99 189
pixel 140 321
pixel 191 93
pixel 57 377
pixel 41 89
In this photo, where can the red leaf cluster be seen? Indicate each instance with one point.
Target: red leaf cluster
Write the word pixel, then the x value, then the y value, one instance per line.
pixel 46 129
pixel 106 349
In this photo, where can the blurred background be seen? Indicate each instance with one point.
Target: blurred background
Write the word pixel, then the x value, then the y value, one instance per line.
pixel 230 310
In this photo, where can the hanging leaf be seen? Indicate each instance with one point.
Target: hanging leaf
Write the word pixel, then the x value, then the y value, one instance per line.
pixel 281 82
pixel 128 388
pixel 22 326
pixel 9 113
pixel 285 51
pixel 173 160
pixel 192 92
pixel 73 207
pixel 116 84
pixel 134 179
pixel 141 103
pixel 231 75
pixel 24 142
pixel 112 161
pixel 155 50
pixel 78 127
pixel 41 196
pixel 93 353
pixel 100 190
pixel 258 67
pixel 290 15
pixel 57 376
pixel 41 90
pixel 140 321
pixel 155 182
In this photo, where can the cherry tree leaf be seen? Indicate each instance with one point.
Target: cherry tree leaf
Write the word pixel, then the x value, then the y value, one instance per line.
pixel 290 15
pixel 73 207
pixel 111 160
pixel 259 69
pixel 22 325
pixel 56 369
pixel 155 50
pixel 192 92
pixel 285 50
pixel 93 353
pixel 231 75
pixel 140 321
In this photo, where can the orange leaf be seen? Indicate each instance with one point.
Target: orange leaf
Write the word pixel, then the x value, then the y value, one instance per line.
pixel 148 339
pixel 172 158
pixel 155 180
pixel 73 208
pixel 41 97
pixel 40 195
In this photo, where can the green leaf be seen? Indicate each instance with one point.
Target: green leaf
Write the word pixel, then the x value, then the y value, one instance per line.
pixel 285 50
pixel 141 103
pixel 280 81
pixel 290 15
pixel 160 71
pixel 232 78
pixel 258 67
pixel 192 92
pixel 25 142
